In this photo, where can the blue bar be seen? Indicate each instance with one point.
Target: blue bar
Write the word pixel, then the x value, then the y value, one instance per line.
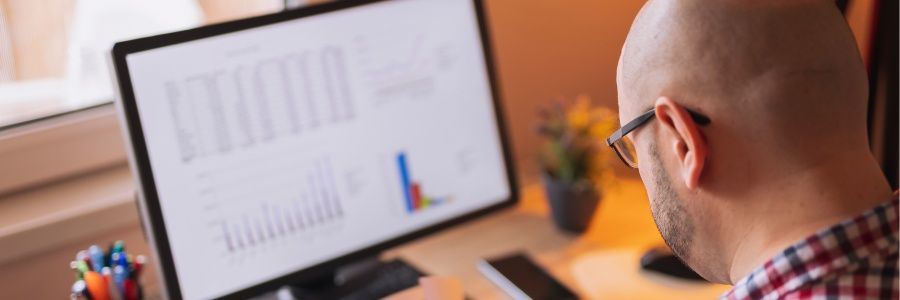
pixel 404 179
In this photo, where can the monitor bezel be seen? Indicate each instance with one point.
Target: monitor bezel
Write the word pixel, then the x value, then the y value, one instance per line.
pixel 149 198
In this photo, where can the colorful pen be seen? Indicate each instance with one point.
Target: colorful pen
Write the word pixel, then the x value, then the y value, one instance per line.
pixel 123 259
pixel 131 289
pixel 96 255
pixel 80 267
pixel 96 286
pixel 112 275
pixel 119 246
pixel 114 292
pixel 83 255
pixel 119 275
pixel 138 265
pixel 113 259
pixel 79 289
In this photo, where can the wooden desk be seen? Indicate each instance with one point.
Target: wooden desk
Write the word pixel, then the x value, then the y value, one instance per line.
pixel 601 264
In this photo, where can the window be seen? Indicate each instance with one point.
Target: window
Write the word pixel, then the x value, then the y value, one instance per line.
pixel 53 52
pixel 55 87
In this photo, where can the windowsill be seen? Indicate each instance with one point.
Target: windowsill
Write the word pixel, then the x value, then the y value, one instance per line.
pixel 23 101
pixel 42 153
pixel 39 219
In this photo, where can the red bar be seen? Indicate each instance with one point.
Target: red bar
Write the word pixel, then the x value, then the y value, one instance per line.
pixel 416 195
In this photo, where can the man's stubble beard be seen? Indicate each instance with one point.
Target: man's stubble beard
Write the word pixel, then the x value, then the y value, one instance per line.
pixel 669 214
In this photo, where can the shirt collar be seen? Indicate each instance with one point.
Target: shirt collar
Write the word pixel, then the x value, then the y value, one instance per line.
pixel 831 251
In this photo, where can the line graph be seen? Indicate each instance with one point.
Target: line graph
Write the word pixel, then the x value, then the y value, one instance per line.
pixel 407 69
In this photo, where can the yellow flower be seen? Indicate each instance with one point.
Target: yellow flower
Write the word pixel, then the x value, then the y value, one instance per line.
pixel 604 123
pixel 579 116
pixel 575 149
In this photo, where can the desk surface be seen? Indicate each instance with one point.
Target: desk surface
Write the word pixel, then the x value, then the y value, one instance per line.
pixel 602 263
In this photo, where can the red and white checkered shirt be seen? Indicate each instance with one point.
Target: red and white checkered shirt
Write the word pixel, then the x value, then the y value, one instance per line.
pixel 854 259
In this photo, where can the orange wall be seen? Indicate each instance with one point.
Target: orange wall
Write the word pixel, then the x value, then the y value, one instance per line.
pixel 549 48
pixel 859 17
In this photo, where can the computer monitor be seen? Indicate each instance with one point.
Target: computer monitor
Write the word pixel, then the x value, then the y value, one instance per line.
pixel 272 148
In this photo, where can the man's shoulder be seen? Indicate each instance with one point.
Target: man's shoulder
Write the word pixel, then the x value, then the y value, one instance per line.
pixel 856 259
pixel 871 278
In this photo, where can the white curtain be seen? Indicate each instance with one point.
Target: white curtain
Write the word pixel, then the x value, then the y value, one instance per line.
pixel 7 65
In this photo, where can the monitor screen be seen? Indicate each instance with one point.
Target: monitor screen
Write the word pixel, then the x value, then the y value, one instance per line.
pixel 275 148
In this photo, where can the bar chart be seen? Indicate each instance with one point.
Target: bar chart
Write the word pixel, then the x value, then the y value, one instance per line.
pixel 295 209
pixel 415 198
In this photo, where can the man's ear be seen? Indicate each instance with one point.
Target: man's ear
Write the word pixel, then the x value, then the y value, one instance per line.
pixel 687 142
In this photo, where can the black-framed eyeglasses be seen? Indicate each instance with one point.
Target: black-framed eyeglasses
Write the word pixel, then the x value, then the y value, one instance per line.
pixel 624 146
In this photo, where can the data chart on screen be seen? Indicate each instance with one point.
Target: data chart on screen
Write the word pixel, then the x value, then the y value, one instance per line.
pixel 280 147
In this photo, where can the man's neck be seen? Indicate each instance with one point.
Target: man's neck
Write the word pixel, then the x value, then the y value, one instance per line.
pixel 800 205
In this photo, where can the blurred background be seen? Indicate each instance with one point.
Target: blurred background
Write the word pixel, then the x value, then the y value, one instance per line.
pixel 52 54
pixel 54 80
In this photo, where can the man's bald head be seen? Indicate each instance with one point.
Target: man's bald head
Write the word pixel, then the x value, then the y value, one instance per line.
pixel 784 87
pixel 789 67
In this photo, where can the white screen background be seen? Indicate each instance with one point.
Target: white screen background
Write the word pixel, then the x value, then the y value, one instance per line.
pixel 276 148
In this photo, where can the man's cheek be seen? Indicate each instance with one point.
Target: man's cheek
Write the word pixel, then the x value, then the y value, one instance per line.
pixel 647 179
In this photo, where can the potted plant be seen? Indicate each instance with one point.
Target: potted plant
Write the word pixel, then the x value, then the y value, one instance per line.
pixel 573 161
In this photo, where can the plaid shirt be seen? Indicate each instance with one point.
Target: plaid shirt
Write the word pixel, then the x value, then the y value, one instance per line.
pixel 855 259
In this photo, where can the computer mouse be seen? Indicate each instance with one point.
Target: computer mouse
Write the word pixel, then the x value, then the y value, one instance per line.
pixel 661 260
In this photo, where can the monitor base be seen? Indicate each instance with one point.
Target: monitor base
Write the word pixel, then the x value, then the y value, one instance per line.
pixel 367 279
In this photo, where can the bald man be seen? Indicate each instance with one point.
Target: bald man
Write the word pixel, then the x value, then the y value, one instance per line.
pixel 748 119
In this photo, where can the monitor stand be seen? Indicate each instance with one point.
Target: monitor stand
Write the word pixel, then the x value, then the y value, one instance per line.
pixel 369 278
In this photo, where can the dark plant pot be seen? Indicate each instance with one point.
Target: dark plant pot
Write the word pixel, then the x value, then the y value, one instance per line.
pixel 571 204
